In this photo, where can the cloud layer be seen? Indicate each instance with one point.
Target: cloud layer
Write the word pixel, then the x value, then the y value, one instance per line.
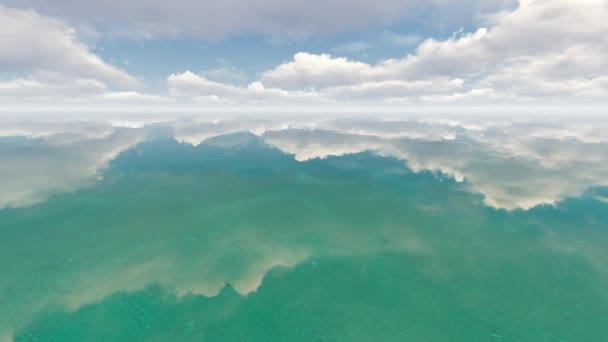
pixel 506 61
pixel 210 19
pixel 538 52
pixel 44 58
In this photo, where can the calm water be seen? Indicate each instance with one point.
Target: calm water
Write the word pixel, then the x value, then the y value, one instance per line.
pixel 343 230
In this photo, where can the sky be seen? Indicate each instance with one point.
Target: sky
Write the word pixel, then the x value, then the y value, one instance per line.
pixel 159 54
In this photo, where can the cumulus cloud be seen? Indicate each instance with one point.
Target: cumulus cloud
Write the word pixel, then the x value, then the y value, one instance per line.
pixel 125 97
pixel 318 71
pixel 46 63
pixel 534 53
pixel 537 50
pixel 31 87
pixel 541 45
pixel 47 49
pixel 394 89
pixel 189 84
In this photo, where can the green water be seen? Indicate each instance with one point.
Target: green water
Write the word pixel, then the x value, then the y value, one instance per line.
pixel 246 244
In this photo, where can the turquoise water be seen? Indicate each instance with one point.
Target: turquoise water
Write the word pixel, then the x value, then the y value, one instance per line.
pixel 236 240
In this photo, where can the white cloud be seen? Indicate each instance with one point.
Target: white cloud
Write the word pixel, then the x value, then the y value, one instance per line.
pixel 535 53
pixel 318 71
pixel 46 50
pixel 388 89
pixel 47 65
pixel 121 97
pixel 31 87
pixel 539 50
pixel 189 84
pixel 541 45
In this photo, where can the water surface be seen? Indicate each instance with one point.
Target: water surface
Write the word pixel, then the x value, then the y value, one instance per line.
pixel 297 231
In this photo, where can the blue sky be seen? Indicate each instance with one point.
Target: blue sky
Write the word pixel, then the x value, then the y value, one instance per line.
pixel 289 53
pixel 253 53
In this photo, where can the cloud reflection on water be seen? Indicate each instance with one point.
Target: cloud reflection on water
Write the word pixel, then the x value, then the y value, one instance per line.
pixel 231 209
pixel 517 164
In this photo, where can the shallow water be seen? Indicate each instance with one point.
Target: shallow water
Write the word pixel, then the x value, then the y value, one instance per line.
pixel 349 230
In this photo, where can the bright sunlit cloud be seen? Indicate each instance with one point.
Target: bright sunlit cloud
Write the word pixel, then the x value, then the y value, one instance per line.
pixel 533 52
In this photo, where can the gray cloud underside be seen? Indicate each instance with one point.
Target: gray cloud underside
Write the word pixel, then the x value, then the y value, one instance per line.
pixel 212 19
